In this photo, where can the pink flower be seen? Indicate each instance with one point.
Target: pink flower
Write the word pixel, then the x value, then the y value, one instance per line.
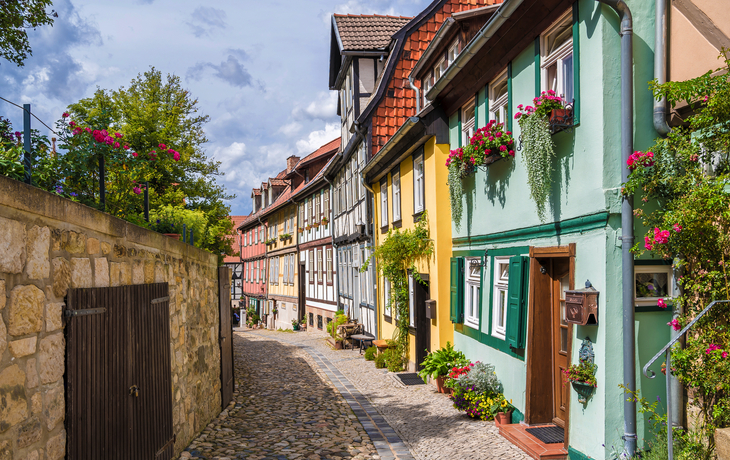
pixel 126 147
pixel 677 228
pixel 502 148
pixel 134 154
pixel 647 243
pixel 137 190
pixel 675 324
pixel 724 354
pixel 511 153
pixel 77 131
pixel 711 348
pixel 660 303
pixel 707 98
pixel 65 115
pixel 72 123
pixel 162 147
pixel 117 145
pixel 88 130
pixel 118 135
pixel 518 115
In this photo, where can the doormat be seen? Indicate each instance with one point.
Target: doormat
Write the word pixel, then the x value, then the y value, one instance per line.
pixel 410 378
pixel 548 434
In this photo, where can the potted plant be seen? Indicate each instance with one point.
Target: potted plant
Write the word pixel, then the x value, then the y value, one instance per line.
pixel 583 378
pixel 315 224
pixel 325 221
pixel 295 324
pixel 335 339
pixel 489 144
pixel 439 363
pixel 303 324
pixel 502 410
pixel 167 228
pixel 253 320
pixel 538 148
pixel 300 230
pixel 308 227
pixel 285 236
pixel 270 241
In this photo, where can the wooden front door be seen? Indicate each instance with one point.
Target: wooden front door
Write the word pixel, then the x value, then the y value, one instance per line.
pixel 560 274
pixel 225 335
pixel 422 323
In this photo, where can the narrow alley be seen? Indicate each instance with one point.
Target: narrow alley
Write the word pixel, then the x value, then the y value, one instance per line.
pixel 297 398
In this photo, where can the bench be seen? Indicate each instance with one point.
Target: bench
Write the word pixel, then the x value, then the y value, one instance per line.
pixel 362 338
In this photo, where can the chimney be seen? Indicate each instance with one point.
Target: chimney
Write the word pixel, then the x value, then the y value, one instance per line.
pixel 291 162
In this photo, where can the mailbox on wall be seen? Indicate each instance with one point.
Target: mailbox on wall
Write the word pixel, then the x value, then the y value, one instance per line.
pixel 431 309
pixel 581 306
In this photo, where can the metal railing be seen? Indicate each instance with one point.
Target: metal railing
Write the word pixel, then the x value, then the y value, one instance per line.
pixel 667 351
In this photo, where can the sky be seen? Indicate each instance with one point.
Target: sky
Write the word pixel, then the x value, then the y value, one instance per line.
pixel 259 69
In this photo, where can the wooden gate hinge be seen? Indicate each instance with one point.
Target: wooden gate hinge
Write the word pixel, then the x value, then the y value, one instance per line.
pixel 88 311
pixel 160 300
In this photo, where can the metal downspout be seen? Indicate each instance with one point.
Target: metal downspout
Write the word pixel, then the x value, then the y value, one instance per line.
pixel 660 66
pixel 418 94
pixel 627 221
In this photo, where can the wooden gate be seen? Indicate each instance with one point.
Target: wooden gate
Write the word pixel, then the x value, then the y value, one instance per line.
pixel 118 376
pixel 226 335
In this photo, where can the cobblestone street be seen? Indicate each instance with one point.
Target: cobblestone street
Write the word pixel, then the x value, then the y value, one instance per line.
pixel 297 398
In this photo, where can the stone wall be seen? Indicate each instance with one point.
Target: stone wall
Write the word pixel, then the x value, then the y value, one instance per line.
pixel 49 244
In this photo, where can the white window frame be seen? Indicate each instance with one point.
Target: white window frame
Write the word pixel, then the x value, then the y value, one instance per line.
pixel 320 263
pixel 652 301
pixel 384 202
pixel 468 120
pixel 286 270
pixel 419 188
pixel 472 291
pixel 395 188
pixel 329 266
pixel 501 298
pixel 498 105
pixel 387 308
pixel 411 301
pixel 557 56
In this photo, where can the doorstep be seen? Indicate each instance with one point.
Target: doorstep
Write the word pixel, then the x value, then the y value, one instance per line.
pixel 516 434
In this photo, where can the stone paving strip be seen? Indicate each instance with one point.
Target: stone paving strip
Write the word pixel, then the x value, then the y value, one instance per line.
pixel 424 420
pixel 284 408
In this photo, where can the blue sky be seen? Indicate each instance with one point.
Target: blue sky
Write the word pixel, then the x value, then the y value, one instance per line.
pixel 258 68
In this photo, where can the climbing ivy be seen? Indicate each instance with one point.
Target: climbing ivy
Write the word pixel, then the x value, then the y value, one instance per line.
pixel 399 252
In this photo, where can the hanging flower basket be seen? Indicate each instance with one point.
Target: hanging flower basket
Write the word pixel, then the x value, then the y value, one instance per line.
pixel 584 390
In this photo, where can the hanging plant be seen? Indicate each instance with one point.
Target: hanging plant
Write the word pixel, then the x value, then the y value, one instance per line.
pixel 487 145
pixel 399 252
pixel 538 147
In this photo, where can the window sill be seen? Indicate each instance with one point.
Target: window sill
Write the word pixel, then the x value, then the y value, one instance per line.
pixel 397 223
pixel 471 325
pixel 418 216
pixel 384 229
pixel 388 319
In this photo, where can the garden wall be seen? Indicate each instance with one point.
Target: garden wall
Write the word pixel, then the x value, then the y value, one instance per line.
pixel 49 244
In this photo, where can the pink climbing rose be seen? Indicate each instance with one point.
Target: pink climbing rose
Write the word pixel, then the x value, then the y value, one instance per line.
pixel 661 304
pixel 675 324
pixel 677 228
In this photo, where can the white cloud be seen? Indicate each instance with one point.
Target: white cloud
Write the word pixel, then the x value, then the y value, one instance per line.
pixel 324 107
pixel 317 139
pixel 291 128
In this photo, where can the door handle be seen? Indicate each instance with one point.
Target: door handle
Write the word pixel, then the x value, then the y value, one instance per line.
pixel 134 391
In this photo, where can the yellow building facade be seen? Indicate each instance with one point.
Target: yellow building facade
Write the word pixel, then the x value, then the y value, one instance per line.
pixel 283 264
pixel 408 188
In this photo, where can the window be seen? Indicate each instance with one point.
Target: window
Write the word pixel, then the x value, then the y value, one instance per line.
pixel 301 215
pixel 498 99
pixel 387 309
pixel 651 283
pixel 557 58
pixel 329 265
pixel 261 233
pixel 292 268
pixel 286 270
pixel 317 209
pixel 418 184
pixel 472 291
pixel 384 202
pixel 311 266
pixel 326 206
pixel 256 270
pixel 395 186
pixel 262 271
pixel 319 266
pixel 467 122
pixel 500 301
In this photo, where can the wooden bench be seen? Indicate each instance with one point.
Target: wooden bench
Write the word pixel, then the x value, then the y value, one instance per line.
pixel 362 338
pixel 382 345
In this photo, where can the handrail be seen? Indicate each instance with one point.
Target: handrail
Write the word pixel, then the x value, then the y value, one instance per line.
pixel 667 351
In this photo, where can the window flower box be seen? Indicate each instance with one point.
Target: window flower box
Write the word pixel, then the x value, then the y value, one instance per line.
pixel 285 236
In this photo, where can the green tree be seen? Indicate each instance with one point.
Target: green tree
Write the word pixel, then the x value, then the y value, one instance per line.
pixel 16 16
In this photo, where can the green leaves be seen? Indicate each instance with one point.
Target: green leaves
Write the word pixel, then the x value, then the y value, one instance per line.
pixel 16 16
pixel 538 152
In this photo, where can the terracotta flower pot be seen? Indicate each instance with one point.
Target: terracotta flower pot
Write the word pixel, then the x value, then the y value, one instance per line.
pixel 503 418
pixel 174 236
pixel 440 384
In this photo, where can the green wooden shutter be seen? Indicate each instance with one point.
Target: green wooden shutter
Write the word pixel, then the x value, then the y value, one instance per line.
pixel 576 65
pixel 457 290
pixel 509 96
pixel 517 301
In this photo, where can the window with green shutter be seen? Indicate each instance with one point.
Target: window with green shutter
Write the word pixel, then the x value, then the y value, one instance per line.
pixel 457 290
pixel 517 301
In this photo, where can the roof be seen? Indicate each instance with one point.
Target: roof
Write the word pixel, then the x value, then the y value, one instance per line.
pixel 367 32
pixel 306 187
pixel 256 191
pixel 236 222
pixel 278 182
pixel 325 149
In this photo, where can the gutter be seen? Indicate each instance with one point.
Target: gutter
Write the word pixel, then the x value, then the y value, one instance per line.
pixel 392 142
pixel 435 42
pixel 627 222
pixel 660 68
pixel 483 36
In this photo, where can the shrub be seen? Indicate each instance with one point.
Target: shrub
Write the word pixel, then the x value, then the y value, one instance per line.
pixel 380 361
pixel 371 352
pixel 441 361
pixel 482 379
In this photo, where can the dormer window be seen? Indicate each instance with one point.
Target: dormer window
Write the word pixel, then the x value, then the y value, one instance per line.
pixel 448 58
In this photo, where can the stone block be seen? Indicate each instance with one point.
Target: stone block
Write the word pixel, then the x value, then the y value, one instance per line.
pixel 25 315
pixel 31 374
pixel 138 272
pixel 3 336
pixel 5 452
pixel 159 272
pixel 101 272
pixel 12 246
pixel 106 248
pixel 73 242
pixel 92 246
pixel 51 358
pixel 35 455
pixel 61 277
pixel 14 406
pixel 722 443
pixel 38 264
pixel 81 273
pixel 29 432
pixel 149 272
pixel 36 404
pixel 53 407
pixel 56 446
pixel 2 294
pixel 125 274
pixel 54 316
pixel 23 347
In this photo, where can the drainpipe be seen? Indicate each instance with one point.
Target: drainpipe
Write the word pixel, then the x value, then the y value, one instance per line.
pixel 627 221
pixel 418 94
pixel 660 68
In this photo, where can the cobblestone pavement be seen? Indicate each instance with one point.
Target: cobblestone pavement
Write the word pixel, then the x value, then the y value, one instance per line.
pixel 297 398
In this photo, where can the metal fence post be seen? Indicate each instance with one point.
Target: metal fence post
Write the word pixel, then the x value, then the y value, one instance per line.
pixel 27 161
pixel 185 234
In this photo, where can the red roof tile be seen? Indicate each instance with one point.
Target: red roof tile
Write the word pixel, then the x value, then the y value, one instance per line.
pixel 367 32
pixel 237 220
